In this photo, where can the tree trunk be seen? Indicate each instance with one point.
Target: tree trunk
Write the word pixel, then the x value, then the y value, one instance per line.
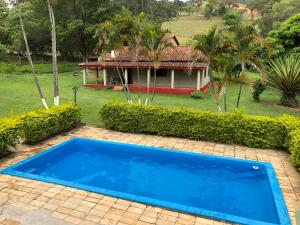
pixel 29 58
pixel 239 96
pixel 225 99
pixel 154 86
pixel 241 87
pixel 54 53
pixel 214 92
pixel 289 100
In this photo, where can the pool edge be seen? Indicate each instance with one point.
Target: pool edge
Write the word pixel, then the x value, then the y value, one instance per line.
pixel 277 194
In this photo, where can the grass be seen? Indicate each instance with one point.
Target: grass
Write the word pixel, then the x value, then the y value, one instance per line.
pixel 18 95
pixel 184 27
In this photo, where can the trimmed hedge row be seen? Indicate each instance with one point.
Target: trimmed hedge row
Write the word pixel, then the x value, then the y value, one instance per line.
pixel 295 148
pixel 42 124
pixel 230 128
pixel 38 125
pixel 9 133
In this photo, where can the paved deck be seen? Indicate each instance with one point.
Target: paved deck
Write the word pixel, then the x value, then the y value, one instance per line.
pixel 24 201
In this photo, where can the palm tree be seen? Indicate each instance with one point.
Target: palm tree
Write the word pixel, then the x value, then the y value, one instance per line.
pixel 211 44
pixel 28 55
pixel 228 70
pixel 135 41
pixel 109 40
pixel 153 45
pixel 244 44
pixel 54 53
pixel 283 74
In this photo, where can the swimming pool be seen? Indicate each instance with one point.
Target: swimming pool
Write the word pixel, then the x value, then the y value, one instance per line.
pixel 239 191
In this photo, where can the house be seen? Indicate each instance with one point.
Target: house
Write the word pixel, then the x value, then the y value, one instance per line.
pixel 181 70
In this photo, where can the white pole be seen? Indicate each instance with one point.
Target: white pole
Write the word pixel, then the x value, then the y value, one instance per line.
pixel 126 78
pixel 84 76
pixel 104 77
pixel 148 78
pixel 206 75
pixel 198 80
pixel 172 78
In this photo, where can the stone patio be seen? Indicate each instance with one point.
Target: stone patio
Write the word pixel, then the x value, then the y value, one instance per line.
pixel 24 201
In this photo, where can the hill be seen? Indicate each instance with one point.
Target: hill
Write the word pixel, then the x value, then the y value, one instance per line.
pixel 184 27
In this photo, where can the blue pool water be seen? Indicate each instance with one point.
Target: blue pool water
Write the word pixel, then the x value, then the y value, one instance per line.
pixel 239 191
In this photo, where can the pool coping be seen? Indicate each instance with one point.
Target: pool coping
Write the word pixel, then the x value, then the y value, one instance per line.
pixel 277 195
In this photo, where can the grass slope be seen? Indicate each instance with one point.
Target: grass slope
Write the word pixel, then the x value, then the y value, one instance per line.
pixel 184 27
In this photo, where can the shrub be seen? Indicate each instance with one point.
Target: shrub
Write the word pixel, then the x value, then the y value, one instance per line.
pixel 258 89
pixel 10 130
pixel 197 95
pixel 42 124
pixel 231 128
pixel 295 148
pixel 291 124
pixel 283 74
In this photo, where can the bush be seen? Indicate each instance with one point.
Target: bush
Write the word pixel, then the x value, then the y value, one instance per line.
pixel 10 130
pixel 295 148
pixel 258 89
pixel 42 124
pixel 197 95
pixel 231 128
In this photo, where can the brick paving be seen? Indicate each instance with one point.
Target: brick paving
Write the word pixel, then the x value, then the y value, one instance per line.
pixel 24 201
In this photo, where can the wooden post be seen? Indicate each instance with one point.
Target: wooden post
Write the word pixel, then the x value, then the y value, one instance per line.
pixel 172 78
pixel 84 75
pixel 148 78
pixel 104 77
pixel 199 79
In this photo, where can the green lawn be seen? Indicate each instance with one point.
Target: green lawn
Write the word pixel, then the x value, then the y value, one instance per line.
pixel 18 94
pixel 184 27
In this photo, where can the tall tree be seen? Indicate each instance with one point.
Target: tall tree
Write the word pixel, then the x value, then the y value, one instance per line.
pixel 28 54
pixel 286 38
pixel 154 44
pixel 211 44
pixel 54 53
pixel 245 44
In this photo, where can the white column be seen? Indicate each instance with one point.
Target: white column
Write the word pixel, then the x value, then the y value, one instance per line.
pixel 104 77
pixel 126 77
pixel 199 79
pixel 172 78
pixel 84 75
pixel 148 78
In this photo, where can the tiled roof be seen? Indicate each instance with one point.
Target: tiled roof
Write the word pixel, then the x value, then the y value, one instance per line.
pixel 146 65
pixel 175 57
pixel 171 54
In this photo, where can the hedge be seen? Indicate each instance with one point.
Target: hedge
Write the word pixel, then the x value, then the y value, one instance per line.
pixel 9 133
pixel 295 148
pixel 44 123
pixel 38 125
pixel 230 128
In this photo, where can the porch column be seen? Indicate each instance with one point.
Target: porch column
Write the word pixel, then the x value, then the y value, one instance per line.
pixel 172 78
pixel 199 73
pixel 148 78
pixel 206 74
pixel 126 78
pixel 104 77
pixel 84 75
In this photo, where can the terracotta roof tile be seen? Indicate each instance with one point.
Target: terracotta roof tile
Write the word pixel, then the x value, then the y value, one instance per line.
pixel 171 54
